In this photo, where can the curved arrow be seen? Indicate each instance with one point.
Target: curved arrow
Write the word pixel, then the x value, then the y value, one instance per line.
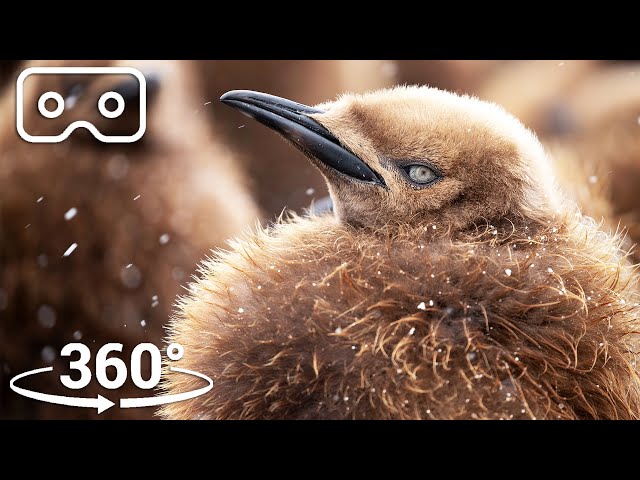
pixel 176 397
pixel 101 403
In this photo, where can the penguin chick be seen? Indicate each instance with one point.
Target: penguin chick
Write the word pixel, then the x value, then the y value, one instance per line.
pixel 604 148
pixel 453 282
pixel 141 215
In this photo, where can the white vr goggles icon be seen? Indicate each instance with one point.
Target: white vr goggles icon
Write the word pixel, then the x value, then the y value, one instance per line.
pixel 80 123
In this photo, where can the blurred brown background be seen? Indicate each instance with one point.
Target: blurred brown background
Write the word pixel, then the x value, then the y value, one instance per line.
pixel 144 214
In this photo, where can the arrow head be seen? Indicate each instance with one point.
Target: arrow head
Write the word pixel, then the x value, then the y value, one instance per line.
pixel 104 404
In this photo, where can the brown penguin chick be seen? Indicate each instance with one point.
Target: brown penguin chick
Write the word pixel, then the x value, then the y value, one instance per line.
pixel 141 215
pixel 454 281
pixel 279 179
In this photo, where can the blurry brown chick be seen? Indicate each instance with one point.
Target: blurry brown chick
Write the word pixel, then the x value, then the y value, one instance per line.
pixel 454 281
pixel 141 215
pixel 602 149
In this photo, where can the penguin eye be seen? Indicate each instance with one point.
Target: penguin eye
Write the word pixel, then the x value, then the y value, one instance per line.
pixel 421 174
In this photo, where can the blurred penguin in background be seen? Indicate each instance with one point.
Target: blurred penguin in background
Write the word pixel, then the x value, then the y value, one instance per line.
pixel 96 239
pixel 602 145
pixel 534 91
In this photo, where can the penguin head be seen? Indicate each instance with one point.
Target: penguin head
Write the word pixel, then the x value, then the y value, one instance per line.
pixel 415 155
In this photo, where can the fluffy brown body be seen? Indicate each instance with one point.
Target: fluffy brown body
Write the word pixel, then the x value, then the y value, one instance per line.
pixel 486 295
pixel 159 205
pixel 321 320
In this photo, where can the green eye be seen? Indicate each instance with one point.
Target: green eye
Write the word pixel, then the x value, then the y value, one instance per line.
pixel 421 174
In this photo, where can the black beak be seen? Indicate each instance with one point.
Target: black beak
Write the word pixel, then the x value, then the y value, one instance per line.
pixel 292 120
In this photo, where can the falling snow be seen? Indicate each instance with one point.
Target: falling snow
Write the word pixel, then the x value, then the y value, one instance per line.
pixel 77 335
pixel 241 310
pixel 136 198
pixel 164 239
pixel 48 354
pixel 177 274
pixel 130 276
pixel 46 316
pixel 117 167
pixel 42 260
pixel 143 323
pixel 70 250
pixel 69 214
pixel 422 306
pixel 310 191
pixel 593 179
pixel 39 199
pixel 508 272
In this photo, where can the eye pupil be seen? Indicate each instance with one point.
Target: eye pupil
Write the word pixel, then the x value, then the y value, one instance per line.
pixel 421 174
